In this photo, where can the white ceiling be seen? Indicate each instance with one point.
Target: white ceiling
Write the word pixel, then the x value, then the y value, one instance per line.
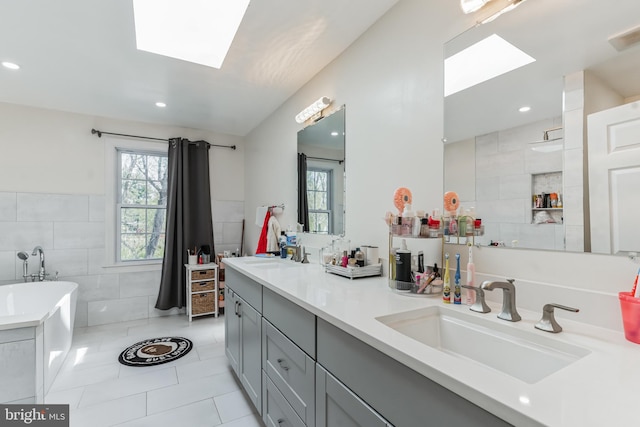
pixel 80 56
pixel 564 37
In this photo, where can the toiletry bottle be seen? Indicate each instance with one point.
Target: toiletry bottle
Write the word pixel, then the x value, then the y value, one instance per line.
pixel 345 259
pixel 471 276
pixel 457 296
pixel 407 220
pixel 359 257
pixel 446 290
pixel 283 244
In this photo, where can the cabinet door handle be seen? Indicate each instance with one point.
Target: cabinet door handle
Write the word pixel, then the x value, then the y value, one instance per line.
pixel 281 421
pixel 236 308
pixel 239 309
pixel 283 364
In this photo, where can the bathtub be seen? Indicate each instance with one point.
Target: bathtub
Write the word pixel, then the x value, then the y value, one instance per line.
pixel 36 327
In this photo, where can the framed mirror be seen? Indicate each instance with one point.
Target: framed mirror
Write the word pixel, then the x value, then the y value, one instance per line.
pixel 321 175
pixel 518 146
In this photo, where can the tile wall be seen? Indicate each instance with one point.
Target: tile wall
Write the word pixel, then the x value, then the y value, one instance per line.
pixel 504 169
pixel 71 229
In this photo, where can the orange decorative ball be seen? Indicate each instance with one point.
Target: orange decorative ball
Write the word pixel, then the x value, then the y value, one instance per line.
pixel 451 201
pixel 401 197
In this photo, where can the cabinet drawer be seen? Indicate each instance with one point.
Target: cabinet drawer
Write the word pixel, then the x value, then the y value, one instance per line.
pixel 291 370
pixel 203 303
pixel 277 411
pixel 398 393
pixel 203 286
pixel 249 290
pixel 295 322
pixel 203 274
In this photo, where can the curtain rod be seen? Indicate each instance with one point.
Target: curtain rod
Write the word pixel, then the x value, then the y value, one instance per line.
pixel 328 160
pixel 100 133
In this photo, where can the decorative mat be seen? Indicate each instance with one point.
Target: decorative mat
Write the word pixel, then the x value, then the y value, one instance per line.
pixel 155 351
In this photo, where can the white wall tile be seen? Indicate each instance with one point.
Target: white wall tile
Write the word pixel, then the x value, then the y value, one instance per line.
pixel 69 235
pixel 572 206
pixel 228 211
pixel 96 288
pixel 573 161
pixel 24 236
pixel 514 186
pixel 573 99
pixel 96 260
pixel 509 211
pixel 96 208
pixel 539 162
pixel 218 229
pixel 232 232
pixel 573 130
pixel 68 262
pixel 52 207
pixel 508 163
pixel 141 283
pixel 574 238
pixel 487 145
pixel 117 310
pixel 7 265
pixel 8 206
pixel 487 187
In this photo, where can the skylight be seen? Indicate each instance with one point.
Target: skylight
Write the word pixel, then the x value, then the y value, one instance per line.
pixel 199 31
pixel 480 62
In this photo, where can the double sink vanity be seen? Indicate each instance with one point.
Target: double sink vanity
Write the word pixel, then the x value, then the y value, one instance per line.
pixel 315 349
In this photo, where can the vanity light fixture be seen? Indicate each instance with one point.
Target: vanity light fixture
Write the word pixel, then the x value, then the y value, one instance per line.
pixel 198 31
pixel 512 5
pixel 470 6
pixel 160 104
pixel 313 109
pixel 524 109
pixel 10 65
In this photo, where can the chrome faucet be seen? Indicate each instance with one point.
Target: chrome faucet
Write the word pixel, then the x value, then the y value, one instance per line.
pixel 41 273
pixel 297 252
pixel 548 322
pixel 509 311
pixel 480 305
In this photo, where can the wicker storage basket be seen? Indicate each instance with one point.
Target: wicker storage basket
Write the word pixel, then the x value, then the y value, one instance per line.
pixel 203 286
pixel 203 274
pixel 203 303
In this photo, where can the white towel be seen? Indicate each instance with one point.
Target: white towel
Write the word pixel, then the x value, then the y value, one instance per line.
pixel 261 212
pixel 273 235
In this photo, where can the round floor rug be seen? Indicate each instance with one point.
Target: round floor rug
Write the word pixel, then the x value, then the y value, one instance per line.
pixel 155 351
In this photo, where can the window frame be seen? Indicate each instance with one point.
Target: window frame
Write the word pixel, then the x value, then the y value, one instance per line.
pixel 109 258
pixel 329 192
pixel 119 205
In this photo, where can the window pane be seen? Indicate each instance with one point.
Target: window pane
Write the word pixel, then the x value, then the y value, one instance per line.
pixel 321 201
pixel 153 192
pixel 156 221
pixel 132 220
pixel 134 192
pixel 322 221
pixel 132 247
pixel 133 166
pixel 155 245
pixel 321 181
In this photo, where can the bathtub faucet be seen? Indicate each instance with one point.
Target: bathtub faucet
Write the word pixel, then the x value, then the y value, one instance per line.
pixel 41 274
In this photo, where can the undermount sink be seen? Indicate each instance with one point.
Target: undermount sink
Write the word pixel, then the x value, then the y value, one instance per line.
pixel 270 262
pixel 529 357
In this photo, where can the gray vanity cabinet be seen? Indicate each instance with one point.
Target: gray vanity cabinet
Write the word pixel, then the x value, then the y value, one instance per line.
pixel 336 405
pixel 232 330
pixel 243 327
pixel 277 411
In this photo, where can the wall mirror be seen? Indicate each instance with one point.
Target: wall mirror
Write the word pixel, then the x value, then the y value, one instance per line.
pixel 321 148
pixel 499 158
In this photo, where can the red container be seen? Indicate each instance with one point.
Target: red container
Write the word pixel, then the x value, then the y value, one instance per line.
pixel 630 307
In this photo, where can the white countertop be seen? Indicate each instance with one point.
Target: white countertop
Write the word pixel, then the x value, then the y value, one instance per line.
pixel 600 389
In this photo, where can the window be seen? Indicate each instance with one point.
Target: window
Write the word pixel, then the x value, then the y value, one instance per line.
pixel 319 198
pixel 141 206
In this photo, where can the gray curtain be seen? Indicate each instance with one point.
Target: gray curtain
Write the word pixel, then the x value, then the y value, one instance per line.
pixel 189 222
pixel 303 203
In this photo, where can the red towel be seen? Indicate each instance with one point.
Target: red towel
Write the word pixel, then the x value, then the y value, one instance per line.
pixel 262 241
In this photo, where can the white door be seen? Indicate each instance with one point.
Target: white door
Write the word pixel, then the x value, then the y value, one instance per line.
pixel 614 178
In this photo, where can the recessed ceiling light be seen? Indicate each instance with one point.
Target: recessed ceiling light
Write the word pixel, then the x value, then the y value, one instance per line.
pixel 161 104
pixel 480 62
pixel 199 31
pixel 10 65
pixel 524 109
pixel 334 133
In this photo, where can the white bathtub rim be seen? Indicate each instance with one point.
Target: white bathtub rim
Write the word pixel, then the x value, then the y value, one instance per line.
pixel 37 317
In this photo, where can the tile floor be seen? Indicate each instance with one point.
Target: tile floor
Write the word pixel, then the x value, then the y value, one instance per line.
pixel 195 390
